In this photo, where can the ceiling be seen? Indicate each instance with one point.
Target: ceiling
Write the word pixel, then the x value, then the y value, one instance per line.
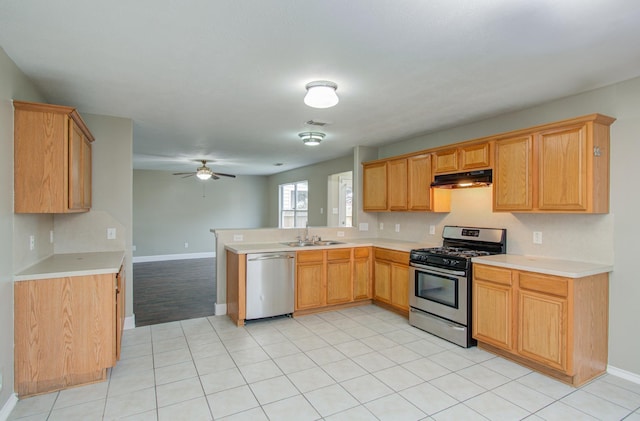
pixel 224 80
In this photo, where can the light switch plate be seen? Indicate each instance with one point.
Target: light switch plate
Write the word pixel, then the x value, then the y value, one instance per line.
pixel 363 226
pixel 238 237
pixel 32 242
pixel 397 227
pixel 340 233
pixel 432 230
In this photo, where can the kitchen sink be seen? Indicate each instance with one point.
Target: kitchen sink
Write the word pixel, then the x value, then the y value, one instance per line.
pixel 311 243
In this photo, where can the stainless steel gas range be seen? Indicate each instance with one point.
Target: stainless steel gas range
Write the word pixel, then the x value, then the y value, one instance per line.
pixel 440 281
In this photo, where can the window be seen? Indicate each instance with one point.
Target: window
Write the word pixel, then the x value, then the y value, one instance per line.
pixel 294 204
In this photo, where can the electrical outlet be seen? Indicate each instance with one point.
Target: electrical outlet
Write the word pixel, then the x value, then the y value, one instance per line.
pixel 537 237
pixel 321 211
pixel 238 237
pixel 0 380
pixel 340 234
pixel 32 242
pixel 397 227
pixel 186 245
pixel 363 226
pixel 111 233
pixel 432 230
pixel 381 226
pixel 133 248
pixel 51 236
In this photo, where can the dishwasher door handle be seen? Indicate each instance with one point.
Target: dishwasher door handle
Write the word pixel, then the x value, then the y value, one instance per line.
pixel 277 256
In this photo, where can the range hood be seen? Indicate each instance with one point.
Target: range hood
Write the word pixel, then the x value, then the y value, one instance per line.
pixel 478 178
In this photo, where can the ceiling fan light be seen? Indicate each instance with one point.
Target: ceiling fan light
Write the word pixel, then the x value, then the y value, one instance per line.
pixel 311 138
pixel 321 94
pixel 204 173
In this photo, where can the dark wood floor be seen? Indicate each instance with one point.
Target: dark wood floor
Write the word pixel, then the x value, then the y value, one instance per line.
pixel 173 290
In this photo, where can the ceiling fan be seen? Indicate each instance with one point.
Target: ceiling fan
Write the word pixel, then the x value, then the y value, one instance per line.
pixel 204 173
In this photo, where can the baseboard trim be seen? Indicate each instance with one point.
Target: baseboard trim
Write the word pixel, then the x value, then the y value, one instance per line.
pixel 627 375
pixel 130 322
pixel 220 309
pixel 8 407
pixel 163 257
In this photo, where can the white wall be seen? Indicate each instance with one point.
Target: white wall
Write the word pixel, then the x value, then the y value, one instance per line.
pixel 169 210
pixel 13 85
pixel 611 238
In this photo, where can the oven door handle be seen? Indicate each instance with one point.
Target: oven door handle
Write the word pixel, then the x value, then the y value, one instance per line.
pixel 438 271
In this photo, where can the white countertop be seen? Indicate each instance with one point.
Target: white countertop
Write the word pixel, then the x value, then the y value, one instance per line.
pixel 73 264
pixel 246 248
pixel 558 267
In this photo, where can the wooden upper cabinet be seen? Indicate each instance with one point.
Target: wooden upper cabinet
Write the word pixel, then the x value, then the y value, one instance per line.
pixel 52 159
pixel 445 161
pixel 406 184
pixel 560 167
pixel 513 174
pixel 462 158
pixel 375 186
pixel 397 184
pixel 563 169
pixel 419 182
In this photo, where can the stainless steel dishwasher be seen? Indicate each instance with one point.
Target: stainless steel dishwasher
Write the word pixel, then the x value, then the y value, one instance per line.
pixel 270 280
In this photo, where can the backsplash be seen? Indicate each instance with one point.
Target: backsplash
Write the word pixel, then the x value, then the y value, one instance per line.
pixel 564 236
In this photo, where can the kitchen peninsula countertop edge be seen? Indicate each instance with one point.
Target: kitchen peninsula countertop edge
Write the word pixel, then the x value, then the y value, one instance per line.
pixel 398 245
pixel 73 264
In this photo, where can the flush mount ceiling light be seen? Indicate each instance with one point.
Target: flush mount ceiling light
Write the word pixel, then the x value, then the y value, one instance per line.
pixel 321 94
pixel 311 138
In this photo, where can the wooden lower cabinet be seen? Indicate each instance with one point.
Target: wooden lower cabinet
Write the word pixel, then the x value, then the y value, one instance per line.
pixel 391 285
pixel 362 273
pixel 67 331
pixel 556 325
pixel 310 283
pixel 332 277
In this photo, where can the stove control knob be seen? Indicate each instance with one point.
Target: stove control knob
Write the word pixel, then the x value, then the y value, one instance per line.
pixel 446 261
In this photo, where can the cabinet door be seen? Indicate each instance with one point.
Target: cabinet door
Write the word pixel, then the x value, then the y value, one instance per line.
pixel 493 313
pixel 542 328
pixel 79 169
pixel 339 281
pixel 382 284
pixel 562 177
pixel 397 184
pixel 419 182
pixel 86 174
pixel 475 156
pixel 512 179
pixel 400 286
pixel 361 273
pixel 375 187
pixel 310 289
pixel 445 161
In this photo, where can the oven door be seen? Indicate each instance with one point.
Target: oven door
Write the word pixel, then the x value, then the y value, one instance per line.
pixel 441 292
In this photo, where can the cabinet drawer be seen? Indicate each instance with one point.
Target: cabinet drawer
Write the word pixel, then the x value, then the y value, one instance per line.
pixel 309 256
pixel 492 274
pixel 547 284
pixel 361 252
pixel 339 254
pixel 392 255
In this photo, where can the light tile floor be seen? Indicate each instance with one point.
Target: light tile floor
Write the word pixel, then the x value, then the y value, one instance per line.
pixel 363 363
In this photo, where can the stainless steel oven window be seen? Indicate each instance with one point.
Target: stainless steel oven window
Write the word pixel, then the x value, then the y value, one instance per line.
pixel 438 288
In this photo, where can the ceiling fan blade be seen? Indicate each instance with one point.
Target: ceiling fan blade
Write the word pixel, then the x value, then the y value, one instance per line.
pixel 188 175
pixel 183 173
pixel 215 177
pixel 225 175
